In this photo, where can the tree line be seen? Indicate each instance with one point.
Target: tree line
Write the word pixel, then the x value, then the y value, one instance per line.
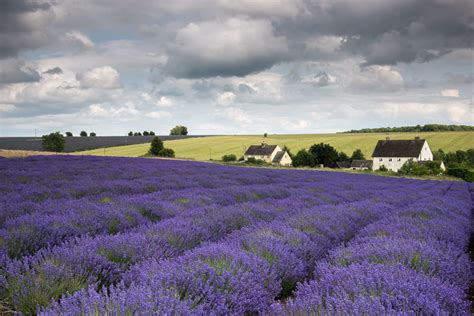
pixel 416 129
pixel 323 154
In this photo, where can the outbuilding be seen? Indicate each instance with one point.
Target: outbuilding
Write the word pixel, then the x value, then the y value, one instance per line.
pixel 272 154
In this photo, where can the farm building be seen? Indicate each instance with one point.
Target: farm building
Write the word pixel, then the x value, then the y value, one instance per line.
pixel 355 164
pixel 394 153
pixel 269 153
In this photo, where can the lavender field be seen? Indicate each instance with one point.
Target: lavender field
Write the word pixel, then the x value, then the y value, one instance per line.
pixel 95 236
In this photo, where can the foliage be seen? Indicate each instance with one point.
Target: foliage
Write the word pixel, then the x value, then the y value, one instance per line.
pixel 92 134
pixel 342 156
pixel 229 158
pixel 265 135
pixel 457 158
pixel 417 128
pixel 357 155
pixel 304 158
pixel 145 133
pixel 69 134
pixel 166 152
pixel 151 133
pixel 287 149
pixel 83 134
pixel 137 134
pixel 130 133
pixel 383 168
pixel 253 161
pixel 179 130
pixel 324 154
pixel 53 142
pixel 460 172
pixel 415 169
pixel 156 146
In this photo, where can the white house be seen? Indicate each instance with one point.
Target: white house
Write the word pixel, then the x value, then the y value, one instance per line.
pixel 394 153
pixel 269 153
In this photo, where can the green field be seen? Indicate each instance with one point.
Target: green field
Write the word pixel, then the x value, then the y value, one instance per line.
pixel 214 147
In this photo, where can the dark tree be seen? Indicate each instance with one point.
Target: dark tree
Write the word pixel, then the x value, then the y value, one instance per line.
pixel 68 134
pixel 265 135
pixel 357 155
pixel 130 133
pixel 179 130
pixel 145 133
pixel 287 149
pixel 152 133
pixel 156 146
pixel 342 156
pixel 229 158
pixel 53 142
pixel 83 134
pixel 303 159
pixel 137 134
pixel 92 134
pixel 324 154
pixel 166 152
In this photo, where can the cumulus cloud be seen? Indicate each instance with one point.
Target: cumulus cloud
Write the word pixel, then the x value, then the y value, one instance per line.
pixel 377 78
pixel 158 114
pixel 77 41
pixel 104 77
pixel 54 71
pixel 230 47
pixel 453 93
pixel 15 71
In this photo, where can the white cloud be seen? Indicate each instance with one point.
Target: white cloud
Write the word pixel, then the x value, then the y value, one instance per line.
pixel 7 107
pixel 104 77
pixel 453 93
pixel 77 41
pixel 225 98
pixel 377 78
pixel 237 115
pixel 164 102
pixel 158 114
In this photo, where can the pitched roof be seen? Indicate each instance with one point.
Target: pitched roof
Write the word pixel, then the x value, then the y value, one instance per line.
pixel 361 164
pixel 278 156
pixel 343 164
pixel 398 148
pixel 260 150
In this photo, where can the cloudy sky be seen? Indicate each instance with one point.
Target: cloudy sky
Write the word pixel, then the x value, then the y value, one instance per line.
pixel 233 67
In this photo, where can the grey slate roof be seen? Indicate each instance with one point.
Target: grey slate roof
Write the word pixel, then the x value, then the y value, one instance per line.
pixel 260 150
pixel 398 148
pixel 343 164
pixel 278 156
pixel 361 164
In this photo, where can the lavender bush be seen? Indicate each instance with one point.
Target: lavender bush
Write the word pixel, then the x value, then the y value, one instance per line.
pixel 140 236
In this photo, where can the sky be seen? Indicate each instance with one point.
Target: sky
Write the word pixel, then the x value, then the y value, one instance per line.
pixel 233 67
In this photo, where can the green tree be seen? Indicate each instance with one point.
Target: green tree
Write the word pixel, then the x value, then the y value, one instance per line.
pixel 68 134
pixel 265 135
pixel 53 142
pixel 179 130
pixel 228 158
pixel 152 133
pixel 137 134
pixel 342 156
pixel 156 146
pixel 324 154
pixel 287 149
pixel 145 133
pixel 83 134
pixel 303 159
pixel 130 133
pixel 92 134
pixel 166 152
pixel 357 155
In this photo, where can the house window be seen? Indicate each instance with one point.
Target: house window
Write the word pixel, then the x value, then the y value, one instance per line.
pixel 390 159
pixel 399 159
pixel 381 159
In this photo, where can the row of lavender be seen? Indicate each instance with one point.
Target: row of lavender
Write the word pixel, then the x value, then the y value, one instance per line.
pixel 234 246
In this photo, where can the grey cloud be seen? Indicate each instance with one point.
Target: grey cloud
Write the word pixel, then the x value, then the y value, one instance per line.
pixel 54 71
pixel 16 71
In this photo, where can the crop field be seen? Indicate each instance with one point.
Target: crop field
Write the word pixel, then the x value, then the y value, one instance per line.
pixel 214 147
pixel 85 235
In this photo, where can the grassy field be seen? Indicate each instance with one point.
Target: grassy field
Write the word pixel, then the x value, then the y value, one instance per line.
pixel 214 147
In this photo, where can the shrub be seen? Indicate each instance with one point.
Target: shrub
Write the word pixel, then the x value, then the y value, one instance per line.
pixel 166 152
pixel 83 134
pixel 92 134
pixel 68 134
pixel 53 142
pixel 463 173
pixel 252 160
pixel 383 168
pixel 156 146
pixel 303 159
pixel 179 130
pixel 228 158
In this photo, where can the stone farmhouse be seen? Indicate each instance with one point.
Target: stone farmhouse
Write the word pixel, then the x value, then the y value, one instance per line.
pixel 269 153
pixel 394 153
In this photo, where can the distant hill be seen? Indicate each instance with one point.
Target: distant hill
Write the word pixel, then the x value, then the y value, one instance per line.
pixel 205 148
pixel 415 129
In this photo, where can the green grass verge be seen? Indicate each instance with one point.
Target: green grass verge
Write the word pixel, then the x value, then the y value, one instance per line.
pixel 214 147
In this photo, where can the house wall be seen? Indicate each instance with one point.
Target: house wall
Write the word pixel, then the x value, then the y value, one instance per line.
pixel 392 163
pixel 426 154
pixel 286 160
pixel 267 159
